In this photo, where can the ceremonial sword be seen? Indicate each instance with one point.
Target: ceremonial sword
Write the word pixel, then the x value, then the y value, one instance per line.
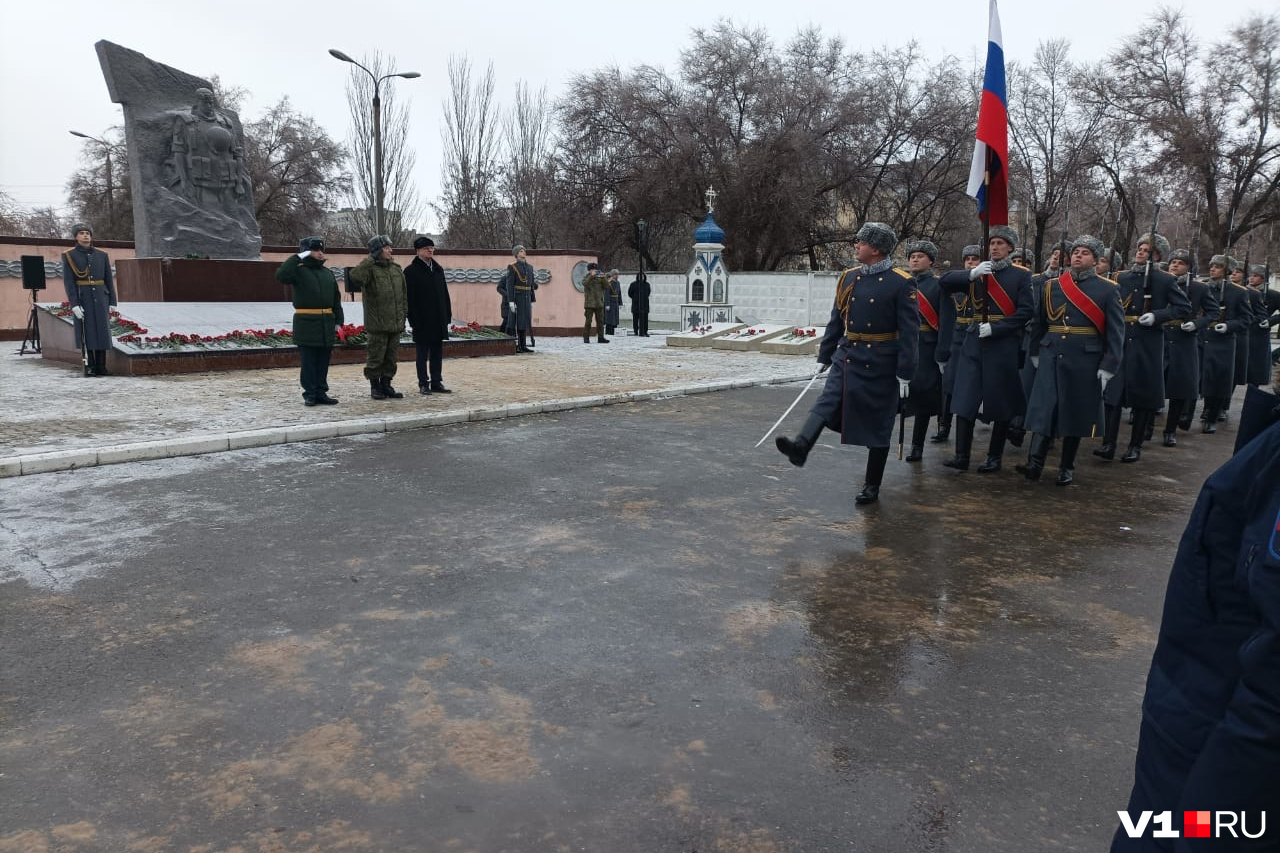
pixel 789 408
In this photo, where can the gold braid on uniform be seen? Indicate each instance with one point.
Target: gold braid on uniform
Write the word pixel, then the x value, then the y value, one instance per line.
pixel 1055 317
pixel 843 294
pixel 77 272
pixel 515 268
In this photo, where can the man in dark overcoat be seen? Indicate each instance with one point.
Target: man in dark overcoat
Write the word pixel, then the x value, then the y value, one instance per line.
pixel 870 346
pixel 987 381
pixel 1182 347
pixel 925 399
pixel 639 292
pixel 86 276
pixel 1218 358
pixel 1151 297
pixel 317 312
pixel 1209 739
pixel 1077 336
pixel 955 321
pixel 430 313
pixel 1259 368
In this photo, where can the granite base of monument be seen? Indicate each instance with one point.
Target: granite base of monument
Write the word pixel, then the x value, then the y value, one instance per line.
pixel 198 280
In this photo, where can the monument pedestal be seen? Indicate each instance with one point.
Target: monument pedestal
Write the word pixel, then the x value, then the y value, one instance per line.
pixel 694 314
pixel 198 280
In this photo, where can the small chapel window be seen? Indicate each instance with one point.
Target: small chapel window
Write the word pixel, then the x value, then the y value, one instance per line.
pixel 698 290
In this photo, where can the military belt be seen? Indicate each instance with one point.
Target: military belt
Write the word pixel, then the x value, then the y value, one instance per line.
pixel 522 287
pixel 91 282
pixel 1074 330
pixel 1131 321
pixel 925 327
pixel 964 321
pixel 1177 323
pixel 871 337
pixel 313 310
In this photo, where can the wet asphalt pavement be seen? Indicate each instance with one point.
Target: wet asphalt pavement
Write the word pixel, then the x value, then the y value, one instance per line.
pixel 618 629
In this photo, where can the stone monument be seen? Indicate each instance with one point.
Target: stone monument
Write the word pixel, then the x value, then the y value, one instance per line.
pixel 191 186
pixel 707 283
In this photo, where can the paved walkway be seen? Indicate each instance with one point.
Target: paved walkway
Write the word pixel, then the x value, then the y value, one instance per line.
pixel 53 419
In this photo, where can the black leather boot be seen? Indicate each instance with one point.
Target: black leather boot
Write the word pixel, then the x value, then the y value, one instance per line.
pixel 964 443
pixel 1035 458
pixel 375 389
pixel 1142 422
pixel 995 452
pixel 919 429
pixel 1173 419
pixel 797 449
pixel 876 458
pixel 944 429
pixel 389 391
pixel 1110 430
pixel 1067 466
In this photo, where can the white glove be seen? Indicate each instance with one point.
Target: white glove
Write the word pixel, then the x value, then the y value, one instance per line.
pixel 1147 319
pixel 904 388
pixel 942 366
pixel 1275 315
pixel 78 310
pixel 1220 328
pixel 984 330
pixel 302 256
pixel 1264 323
pixel 1188 326
pixel 1035 361
pixel 983 268
pixel 511 306
pixel 1104 376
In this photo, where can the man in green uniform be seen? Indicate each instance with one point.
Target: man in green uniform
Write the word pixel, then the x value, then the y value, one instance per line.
pixel 594 287
pixel 386 306
pixel 317 312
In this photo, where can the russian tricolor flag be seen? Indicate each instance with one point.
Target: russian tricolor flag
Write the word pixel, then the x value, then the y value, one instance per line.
pixel 991 151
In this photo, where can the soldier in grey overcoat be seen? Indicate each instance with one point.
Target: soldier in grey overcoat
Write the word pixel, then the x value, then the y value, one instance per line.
pixel 86 275
pixel 1218 359
pixel 1182 348
pixel 1077 336
pixel 517 285
pixel 1259 370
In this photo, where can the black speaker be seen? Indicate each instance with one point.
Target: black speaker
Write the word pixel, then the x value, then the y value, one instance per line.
pixel 350 285
pixel 32 272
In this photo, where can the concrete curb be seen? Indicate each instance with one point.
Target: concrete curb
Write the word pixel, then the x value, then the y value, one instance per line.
pixel 70 460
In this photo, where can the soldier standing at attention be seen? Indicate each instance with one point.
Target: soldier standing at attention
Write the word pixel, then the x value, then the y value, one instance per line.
pixel 86 275
pixel 870 347
pixel 1077 336
pixel 1182 348
pixel 517 286
pixel 386 306
pixel 987 380
pixel 925 399
pixel 1150 297
pixel 317 312
pixel 1219 355
pixel 594 288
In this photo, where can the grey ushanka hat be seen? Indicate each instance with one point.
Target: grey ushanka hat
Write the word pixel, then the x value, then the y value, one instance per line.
pixel 1161 244
pixel 1086 241
pixel 80 226
pixel 971 251
pixel 929 248
pixel 1006 233
pixel 879 236
pixel 1180 255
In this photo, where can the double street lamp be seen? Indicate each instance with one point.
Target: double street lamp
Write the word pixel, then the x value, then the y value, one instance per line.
pixel 379 216
pixel 111 205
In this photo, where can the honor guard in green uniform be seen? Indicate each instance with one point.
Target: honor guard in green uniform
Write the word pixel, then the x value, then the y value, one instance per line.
pixel 317 313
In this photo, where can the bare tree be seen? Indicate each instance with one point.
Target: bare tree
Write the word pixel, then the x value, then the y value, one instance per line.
pixel 105 201
pixel 296 170
pixel 526 178
pixel 400 198
pixel 471 134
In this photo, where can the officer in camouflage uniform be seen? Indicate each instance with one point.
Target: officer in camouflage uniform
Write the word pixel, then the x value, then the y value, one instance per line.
pixel 386 307
pixel 595 286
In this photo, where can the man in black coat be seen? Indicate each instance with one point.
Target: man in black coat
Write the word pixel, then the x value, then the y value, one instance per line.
pixel 987 380
pixel 955 323
pixel 1259 367
pixel 639 291
pixel 1182 348
pixel 1076 338
pixel 1151 298
pixel 430 313
pixel 925 399
pixel 870 347
pixel 1217 376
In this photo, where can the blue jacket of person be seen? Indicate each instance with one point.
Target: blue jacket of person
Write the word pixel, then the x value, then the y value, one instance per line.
pixel 1210 734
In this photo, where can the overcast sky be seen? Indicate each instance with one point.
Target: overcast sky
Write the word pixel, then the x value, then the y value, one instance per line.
pixel 51 82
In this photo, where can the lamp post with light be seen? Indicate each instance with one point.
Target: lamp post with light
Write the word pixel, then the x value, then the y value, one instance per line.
pixel 111 205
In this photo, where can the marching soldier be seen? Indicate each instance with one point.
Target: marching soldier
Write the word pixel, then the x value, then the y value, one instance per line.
pixel 1220 342
pixel 86 275
pixel 987 376
pixel 925 398
pixel 1150 299
pixel 870 346
pixel 1241 374
pixel 1077 336
pixel 956 320
pixel 1024 258
pixel 1182 347
pixel 1259 368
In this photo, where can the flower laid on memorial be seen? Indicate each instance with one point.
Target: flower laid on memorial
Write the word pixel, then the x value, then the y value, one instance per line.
pixel 473 330
pixel 798 333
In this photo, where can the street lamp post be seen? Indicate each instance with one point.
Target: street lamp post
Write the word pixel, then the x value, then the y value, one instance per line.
pixel 379 219
pixel 642 229
pixel 111 204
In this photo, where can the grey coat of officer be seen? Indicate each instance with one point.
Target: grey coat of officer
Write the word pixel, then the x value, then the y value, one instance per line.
pixel 1228 330
pixel 870 347
pixel 935 331
pixel 1182 348
pixel 1076 339
pixel 987 378
pixel 86 275
pixel 1151 298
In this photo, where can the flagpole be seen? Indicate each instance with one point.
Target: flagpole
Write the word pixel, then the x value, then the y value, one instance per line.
pixel 986 235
